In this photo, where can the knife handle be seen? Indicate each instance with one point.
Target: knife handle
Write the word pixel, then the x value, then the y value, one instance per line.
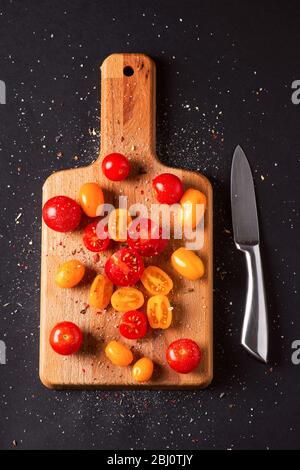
pixel 255 326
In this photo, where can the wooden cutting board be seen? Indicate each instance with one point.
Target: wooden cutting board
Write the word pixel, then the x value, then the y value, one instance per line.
pixel 127 126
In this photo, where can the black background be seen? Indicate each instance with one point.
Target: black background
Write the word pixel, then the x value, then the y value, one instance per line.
pixel 224 78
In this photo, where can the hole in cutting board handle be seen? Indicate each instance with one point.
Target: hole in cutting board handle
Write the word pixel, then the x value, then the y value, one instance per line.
pixel 128 71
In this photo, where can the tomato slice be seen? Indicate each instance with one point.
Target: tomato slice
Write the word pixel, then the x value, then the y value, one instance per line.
pixel 95 237
pixel 133 325
pixel 124 267
pixel 156 281
pixel 127 298
pixel 183 355
pixel 159 312
pixel 146 237
pixel 66 338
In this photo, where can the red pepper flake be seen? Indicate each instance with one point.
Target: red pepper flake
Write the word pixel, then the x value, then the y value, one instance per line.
pixel 85 308
pixel 83 370
pixel 96 258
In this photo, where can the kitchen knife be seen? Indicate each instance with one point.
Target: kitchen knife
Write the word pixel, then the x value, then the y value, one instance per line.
pixel 246 237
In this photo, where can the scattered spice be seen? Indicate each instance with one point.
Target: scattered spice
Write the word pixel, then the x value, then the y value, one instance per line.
pixel 18 217
pixel 85 308
pixel 92 131
pixel 96 258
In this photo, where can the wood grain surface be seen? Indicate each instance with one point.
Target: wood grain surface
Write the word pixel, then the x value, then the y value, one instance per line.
pixel 127 126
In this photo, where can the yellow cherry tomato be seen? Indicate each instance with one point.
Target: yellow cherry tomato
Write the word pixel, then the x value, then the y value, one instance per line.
pixel 142 370
pixel 187 264
pixel 118 223
pixel 91 199
pixel 156 281
pixel 193 203
pixel 159 312
pixel 70 273
pixel 100 292
pixel 126 299
pixel 118 354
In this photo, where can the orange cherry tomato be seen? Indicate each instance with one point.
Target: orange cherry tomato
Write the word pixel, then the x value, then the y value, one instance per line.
pixel 70 273
pixel 118 223
pixel 187 264
pixel 156 281
pixel 91 199
pixel 118 354
pixel 127 298
pixel 142 370
pixel 193 203
pixel 159 312
pixel 100 292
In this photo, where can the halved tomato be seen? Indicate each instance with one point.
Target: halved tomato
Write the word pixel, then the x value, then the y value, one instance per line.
pixel 159 312
pixel 95 237
pixel 127 298
pixel 124 267
pixel 133 325
pixel 145 236
pixel 156 281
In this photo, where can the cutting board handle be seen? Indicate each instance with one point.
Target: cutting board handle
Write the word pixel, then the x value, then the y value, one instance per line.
pixel 128 105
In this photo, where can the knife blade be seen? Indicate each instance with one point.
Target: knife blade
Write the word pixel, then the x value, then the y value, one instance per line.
pixel 246 237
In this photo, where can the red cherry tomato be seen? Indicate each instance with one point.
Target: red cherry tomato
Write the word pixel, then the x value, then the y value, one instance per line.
pixel 183 355
pixel 62 214
pixel 168 188
pixel 124 267
pixel 115 166
pixel 133 325
pixel 66 338
pixel 146 237
pixel 96 238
